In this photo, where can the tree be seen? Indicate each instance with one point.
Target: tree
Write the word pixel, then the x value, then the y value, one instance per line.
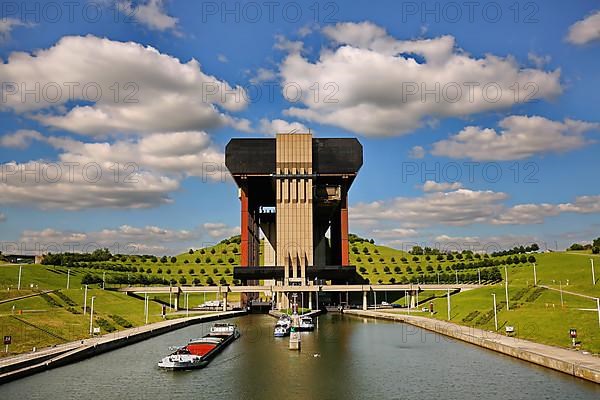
pixel 393 259
pixel 215 271
pixel 595 242
pixel 182 280
pixel 415 259
pixel 196 281
pixel 202 251
pixel 222 281
pixel 202 271
pixel 219 260
pixel 355 249
pixel 173 260
pixel 213 251
pixel 227 271
pixel 428 257
pixel 224 251
pixel 531 259
pixel 186 262
pixel 235 250
pixel 231 260
pixel 210 281
pixel 370 259
pixel 159 271
pixel 191 251
pixel 191 271
pixel 168 271
pixel 149 271
pixel 358 259
pixel 180 271
pixel 163 259
pixel 362 270
pixel 372 241
pixel 365 250
pixel 397 269
pixel 392 280
pixel 197 261
pixel 417 250
pixel 386 269
pixel 208 260
pixel 153 259
pixel 440 257
pixel 404 260
pixel 380 281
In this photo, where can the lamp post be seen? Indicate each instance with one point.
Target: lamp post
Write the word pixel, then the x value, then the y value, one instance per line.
pixel 479 276
pixel 593 275
pixel 85 300
pixel 448 304
pixel 495 312
pixel 68 277
pixel 146 307
pixel 92 316
pixel 534 276
pixel 103 279
pixel 19 284
pixel 187 304
pixel 506 287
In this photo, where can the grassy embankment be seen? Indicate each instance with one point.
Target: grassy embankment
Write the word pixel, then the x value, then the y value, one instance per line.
pixel 536 313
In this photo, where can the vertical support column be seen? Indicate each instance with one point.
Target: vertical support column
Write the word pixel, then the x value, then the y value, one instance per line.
pixel 225 300
pixel 244 228
pixel 344 227
pixel 310 295
pixel 177 300
pixel 364 300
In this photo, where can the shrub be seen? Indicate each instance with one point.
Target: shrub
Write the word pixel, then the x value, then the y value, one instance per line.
pixel 121 321
pixel 202 251
pixel 182 280
pixel 179 271
pixel 104 324
pixel 209 281
pixel 196 281
pixel 173 260
pixel 392 280
pixel 197 260
pixel 222 281
pixel 231 260
pixel 191 251
pixel 212 251
pixel 386 269
pixel 202 271
pixel 397 269
pixel 149 271
pixel 168 271
pixel 159 271
pixel 215 270
pixel 191 271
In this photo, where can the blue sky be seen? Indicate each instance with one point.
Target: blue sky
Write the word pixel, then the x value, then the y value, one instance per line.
pixel 543 142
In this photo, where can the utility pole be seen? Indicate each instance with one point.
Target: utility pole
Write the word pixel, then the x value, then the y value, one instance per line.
pixel 506 287
pixel 92 316
pixel 19 284
pixel 448 304
pixel 534 276
pixel 85 300
pixel 495 312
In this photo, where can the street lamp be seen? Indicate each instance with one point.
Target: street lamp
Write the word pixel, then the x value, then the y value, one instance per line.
pixel 448 304
pixel 495 312
pixel 506 286
pixel 593 275
pixel 561 294
pixel 19 284
pixel 68 277
pixel 534 276
pixel 103 279
pixel 85 300
pixel 92 316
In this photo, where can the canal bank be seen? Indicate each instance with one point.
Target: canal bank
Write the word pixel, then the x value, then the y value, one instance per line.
pixel 28 364
pixel 570 362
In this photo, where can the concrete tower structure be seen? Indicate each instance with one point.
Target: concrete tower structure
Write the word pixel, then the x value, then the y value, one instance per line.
pixel 294 189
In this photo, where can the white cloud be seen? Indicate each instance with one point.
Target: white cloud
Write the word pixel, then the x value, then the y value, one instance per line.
pixel 431 186
pixel 222 58
pixel 7 25
pixel 132 173
pixel 370 75
pixel 536 213
pixel 219 230
pixel 417 152
pixel 124 239
pixel 272 127
pixel 290 46
pixel 394 233
pixel 458 208
pixel 157 93
pixel 487 244
pixel 20 139
pixel 586 30
pixel 263 75
pixel 176 153
pixel 150 14
pixel 537 60
pixel 519 137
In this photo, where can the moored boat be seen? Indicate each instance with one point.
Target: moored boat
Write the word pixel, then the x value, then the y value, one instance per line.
pixel 306 323
pixel 198 352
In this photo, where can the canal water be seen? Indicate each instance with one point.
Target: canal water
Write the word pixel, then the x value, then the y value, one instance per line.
pixel 345 358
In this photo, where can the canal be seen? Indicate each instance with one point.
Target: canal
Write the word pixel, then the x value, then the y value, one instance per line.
pixel 345 358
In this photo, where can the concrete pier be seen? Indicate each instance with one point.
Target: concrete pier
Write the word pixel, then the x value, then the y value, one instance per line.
pixel 585 366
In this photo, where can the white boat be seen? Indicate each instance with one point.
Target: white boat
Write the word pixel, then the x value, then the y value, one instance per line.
pixel 182 359
pixel 306 324
pixel 281 331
